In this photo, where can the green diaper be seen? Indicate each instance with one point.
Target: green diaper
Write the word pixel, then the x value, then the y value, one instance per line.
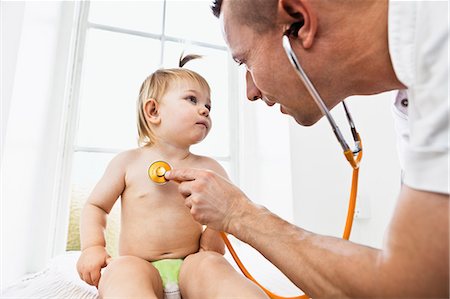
pixel 169 270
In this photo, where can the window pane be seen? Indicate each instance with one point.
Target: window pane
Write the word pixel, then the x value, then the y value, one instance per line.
pixel 213 66
pixel 193 20
pixel 88 168
pixel 115 65
pixel 144 16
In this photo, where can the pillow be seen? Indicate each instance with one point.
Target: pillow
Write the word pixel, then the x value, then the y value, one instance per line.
pixel 79 196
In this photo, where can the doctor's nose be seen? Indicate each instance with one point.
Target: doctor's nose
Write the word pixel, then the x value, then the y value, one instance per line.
pixel 253 93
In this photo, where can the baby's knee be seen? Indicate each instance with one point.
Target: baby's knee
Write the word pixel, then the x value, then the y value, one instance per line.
pixel 196 271
pixel 124 262
pixel 116 276
pixel 204 260
pixel 127 265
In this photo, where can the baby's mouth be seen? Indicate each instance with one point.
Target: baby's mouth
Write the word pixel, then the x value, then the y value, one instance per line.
pixel 202 123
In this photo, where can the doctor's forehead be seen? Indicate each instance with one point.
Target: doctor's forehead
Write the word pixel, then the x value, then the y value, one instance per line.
pixel 238 36
pixel 238 40
pixel 244 21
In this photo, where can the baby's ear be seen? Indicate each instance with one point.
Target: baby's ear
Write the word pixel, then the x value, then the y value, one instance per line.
pixel 151 111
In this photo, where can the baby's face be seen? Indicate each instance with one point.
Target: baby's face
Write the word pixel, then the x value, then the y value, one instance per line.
pixel 184 112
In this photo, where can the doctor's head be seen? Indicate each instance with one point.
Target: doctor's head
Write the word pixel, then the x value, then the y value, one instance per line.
pixel 341 44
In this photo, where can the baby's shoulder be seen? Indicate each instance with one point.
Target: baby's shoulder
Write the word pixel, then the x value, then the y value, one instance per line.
pixel 128 154
pixel 126 157
pixel 210 164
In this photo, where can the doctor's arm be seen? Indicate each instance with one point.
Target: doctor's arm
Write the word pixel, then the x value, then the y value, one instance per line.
pixel 412 263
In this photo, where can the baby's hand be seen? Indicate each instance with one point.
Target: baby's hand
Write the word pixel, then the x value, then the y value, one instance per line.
pixel 91 261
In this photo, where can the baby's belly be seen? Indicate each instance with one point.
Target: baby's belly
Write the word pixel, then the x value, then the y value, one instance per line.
pixel 159 235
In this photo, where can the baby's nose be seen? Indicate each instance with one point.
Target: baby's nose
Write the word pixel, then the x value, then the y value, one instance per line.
pixel 204 111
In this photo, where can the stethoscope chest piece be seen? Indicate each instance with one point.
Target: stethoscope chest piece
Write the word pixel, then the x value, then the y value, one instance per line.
pixel 157 170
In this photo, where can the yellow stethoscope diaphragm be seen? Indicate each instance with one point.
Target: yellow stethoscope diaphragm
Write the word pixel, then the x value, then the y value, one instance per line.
pixel 157 170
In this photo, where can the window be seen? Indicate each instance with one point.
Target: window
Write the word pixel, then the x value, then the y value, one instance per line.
pixel 119 45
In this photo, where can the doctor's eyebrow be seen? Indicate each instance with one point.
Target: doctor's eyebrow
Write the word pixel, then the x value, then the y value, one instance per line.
pixel 238 58
pixel 237 61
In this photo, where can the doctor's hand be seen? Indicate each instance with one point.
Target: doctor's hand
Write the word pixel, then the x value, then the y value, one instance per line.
pixel 212 199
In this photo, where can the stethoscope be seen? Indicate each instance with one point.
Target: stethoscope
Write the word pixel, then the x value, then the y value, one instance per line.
pixel 157 169
pixel 351 155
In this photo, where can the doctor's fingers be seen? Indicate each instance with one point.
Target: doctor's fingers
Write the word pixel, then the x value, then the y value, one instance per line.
pixel 182 174
pixel 185 189
pixel 188 202
pixel 197 186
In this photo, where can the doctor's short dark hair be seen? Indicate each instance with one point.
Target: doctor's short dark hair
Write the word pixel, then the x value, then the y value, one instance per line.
pixel 257 14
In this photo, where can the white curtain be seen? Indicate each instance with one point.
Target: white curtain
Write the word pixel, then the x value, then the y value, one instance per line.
pixel 36 49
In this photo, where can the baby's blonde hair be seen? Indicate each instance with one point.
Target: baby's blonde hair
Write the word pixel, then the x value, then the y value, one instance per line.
pixel 155 87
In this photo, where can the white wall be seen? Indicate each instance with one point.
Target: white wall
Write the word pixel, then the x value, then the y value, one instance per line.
pixel 322 176
pixel 32 142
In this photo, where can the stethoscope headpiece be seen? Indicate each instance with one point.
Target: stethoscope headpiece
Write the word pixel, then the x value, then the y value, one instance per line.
pixel 157 170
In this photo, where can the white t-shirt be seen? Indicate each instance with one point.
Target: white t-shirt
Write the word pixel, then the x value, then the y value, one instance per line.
pixel 418 34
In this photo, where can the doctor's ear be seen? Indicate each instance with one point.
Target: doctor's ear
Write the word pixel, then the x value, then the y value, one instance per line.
pixel 300 20
pixel 151 111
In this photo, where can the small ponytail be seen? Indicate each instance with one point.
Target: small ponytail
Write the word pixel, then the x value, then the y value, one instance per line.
pixel 187 58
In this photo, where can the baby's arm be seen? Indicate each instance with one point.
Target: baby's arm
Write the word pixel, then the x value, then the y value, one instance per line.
pixel 211 239
pixel 93 220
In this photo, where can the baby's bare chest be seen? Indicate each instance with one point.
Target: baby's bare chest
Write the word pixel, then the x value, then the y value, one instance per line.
pixel 142 195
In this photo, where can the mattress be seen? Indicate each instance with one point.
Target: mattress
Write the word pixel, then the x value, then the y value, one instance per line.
pixel 60 278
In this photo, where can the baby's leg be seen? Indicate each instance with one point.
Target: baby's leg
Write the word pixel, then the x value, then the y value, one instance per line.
pixel 130 277
pixel 208 275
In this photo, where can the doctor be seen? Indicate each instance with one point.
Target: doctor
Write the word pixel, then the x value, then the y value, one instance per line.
pixel 346 48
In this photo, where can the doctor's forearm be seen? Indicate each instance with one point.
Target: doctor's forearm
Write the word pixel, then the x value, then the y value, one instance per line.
pixel 413 262
pixel 321 266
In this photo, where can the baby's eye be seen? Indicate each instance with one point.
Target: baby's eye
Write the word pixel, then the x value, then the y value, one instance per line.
pixel 208 107
pixel 192 99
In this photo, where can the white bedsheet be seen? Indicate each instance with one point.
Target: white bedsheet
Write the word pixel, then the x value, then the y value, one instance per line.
pixel 59 280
